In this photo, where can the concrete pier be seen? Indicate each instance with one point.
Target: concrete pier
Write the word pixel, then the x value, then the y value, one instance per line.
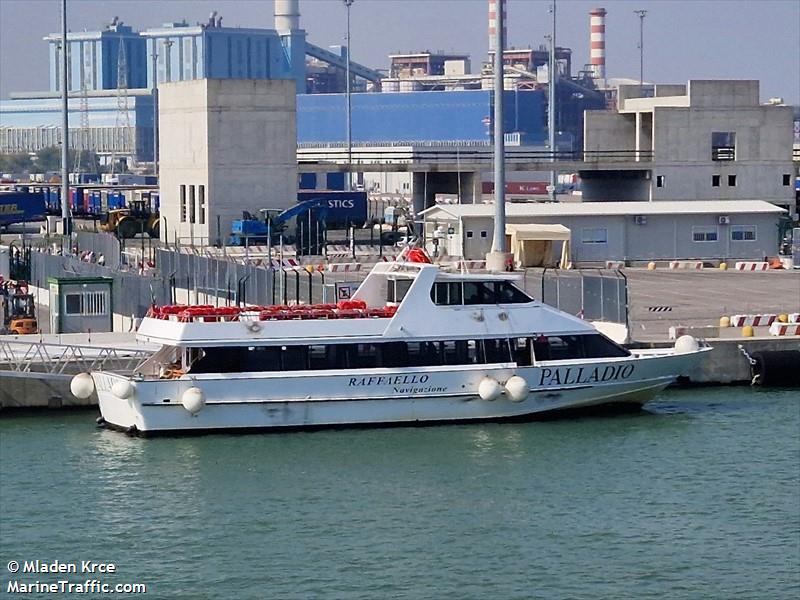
pixel 726 364
pixel 35 371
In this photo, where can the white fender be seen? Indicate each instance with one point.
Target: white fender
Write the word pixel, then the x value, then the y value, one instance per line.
pixel 123 389
pixel 517 388
pixel 193 400
pixel 489 389
pixel 82 386
pixel 686 344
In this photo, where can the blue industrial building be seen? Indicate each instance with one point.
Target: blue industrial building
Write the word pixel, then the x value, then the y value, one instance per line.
pixel 114 116
pixel 419 116
pixel 30 124
pixel 211 51
pixel 93 59
pixel 182 52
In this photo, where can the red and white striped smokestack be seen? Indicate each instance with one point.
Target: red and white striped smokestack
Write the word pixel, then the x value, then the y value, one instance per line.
pixel 493 21
pixel 597 21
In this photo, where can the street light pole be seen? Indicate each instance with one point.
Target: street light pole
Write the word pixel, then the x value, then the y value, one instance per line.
pixel 155 108
pixel 349 176
pixel 641 14
pixel 496 259
pixel 551 109
pixel 65 221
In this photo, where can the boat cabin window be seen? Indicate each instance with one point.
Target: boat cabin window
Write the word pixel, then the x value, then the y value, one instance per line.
pixel 397 289
pixel 570 347
pixel 317 357
pixel 522 351
pixel 449 293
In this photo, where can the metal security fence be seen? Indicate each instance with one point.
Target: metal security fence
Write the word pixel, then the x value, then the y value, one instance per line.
pixel 221 281
pixel 592 294
pixel 132 293
pixel 104 247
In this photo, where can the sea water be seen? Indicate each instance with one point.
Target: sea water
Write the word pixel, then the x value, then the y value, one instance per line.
pixel 698 496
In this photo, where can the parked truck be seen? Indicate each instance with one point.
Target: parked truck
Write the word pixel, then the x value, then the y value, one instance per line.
pixel 20 207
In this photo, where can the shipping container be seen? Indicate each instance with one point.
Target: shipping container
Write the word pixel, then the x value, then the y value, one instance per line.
pixel 342 208
pixel 19 207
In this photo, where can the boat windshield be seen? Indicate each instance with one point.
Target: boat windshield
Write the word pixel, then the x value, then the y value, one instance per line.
pixel 452 293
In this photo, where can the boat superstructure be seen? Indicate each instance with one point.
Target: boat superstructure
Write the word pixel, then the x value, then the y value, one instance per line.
pixel 414 344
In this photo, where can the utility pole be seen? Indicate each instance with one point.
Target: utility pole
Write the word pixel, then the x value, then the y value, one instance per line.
pixel 65 221
pixel 349 176
pixel 642 14
pixel 155 108
pixel 496 259
pixel 551 104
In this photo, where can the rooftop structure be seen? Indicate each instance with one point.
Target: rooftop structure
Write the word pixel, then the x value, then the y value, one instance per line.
pixel 707 140
pixel 416 64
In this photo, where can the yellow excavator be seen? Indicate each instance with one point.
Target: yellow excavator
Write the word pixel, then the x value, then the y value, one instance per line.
pixel 18 308
pixel 129 222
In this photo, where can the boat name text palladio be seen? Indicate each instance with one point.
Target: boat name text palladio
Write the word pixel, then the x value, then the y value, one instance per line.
pixel 570 376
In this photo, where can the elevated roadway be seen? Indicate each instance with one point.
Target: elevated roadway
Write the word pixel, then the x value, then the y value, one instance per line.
pixel 460 158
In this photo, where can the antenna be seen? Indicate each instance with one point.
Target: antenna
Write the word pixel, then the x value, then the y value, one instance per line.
pixel 641 14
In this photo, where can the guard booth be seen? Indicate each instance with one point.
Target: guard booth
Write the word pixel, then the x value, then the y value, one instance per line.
pixel 80 304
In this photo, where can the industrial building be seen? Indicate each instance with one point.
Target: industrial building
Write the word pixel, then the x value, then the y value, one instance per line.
pixel 623 231
pixel 707 140
pixel 120 65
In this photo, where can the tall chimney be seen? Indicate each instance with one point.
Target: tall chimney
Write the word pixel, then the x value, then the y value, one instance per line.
pixel 493 22
pixel 287 15
pixel 597 20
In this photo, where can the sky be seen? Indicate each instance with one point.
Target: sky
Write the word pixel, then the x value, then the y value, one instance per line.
pixel 683 39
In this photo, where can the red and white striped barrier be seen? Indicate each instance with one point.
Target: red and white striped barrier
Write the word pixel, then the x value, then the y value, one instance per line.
pixel 784 329
pixel 751 266
pixel 344 267
pixel 794 318
pixel 754 320
pixel 686 264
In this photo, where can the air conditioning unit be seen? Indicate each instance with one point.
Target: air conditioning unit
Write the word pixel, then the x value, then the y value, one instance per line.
pixel 640 219
pixel 724 220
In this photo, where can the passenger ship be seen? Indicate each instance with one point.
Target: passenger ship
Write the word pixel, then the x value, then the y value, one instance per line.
pixel 415 344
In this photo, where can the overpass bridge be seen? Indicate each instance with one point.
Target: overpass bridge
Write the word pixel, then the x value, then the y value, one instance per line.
pixel 460 157
pixel 444 168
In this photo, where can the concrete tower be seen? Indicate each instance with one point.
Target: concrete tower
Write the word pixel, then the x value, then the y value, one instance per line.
pixel 493 21
pixel 597 20
pixel 287 15
pixel 287 24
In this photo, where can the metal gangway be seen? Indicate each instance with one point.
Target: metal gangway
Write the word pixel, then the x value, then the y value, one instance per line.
pixel 48 358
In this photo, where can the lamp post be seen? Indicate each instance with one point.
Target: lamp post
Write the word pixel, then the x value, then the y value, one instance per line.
pixel 641 14
pixel 65 220
pixel 348 179
pixel 497 259
pixel 551 108
pixel 155 109
pixel 168 60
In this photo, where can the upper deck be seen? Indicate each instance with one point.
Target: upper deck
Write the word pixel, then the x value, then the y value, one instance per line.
pixel 396 301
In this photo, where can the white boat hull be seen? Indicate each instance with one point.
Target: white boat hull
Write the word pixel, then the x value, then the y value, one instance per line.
pixel 250 401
